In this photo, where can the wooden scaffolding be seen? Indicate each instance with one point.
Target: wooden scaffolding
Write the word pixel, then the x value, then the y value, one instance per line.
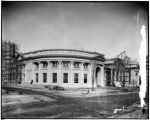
pixel 11 68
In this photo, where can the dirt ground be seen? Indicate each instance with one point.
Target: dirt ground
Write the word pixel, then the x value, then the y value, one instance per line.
pixel 68 104
pixel 22 99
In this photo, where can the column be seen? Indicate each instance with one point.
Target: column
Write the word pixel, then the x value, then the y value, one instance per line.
pixel 105 77
pixel 40 74
pixel 93 75
pixel 112 77
pixel 60 81
pixel 48 73
pixel 33 73
pixel 129 76
pixel 23 73
pixel 81 74
pixel 71 74
pixel 119 75
pixel 102 76
pixel 114 74
pixel 89 79
pixel 51 76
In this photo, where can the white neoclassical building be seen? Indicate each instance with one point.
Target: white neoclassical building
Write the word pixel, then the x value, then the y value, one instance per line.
pixel 64 67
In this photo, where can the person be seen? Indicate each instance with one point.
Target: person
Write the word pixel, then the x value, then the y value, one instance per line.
pixel 31 81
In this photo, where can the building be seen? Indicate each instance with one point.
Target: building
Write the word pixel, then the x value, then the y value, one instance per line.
pixel 75 69
pixel 64 67
pixel 129 73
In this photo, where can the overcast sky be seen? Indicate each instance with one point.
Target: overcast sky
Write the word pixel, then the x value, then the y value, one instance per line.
pixel 105 27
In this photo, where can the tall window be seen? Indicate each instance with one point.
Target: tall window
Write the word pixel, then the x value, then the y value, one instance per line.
pixel 65 77
pixel 76 77
pixel 85 78
pixel 44 77
pixel 36 77
pixel 54 77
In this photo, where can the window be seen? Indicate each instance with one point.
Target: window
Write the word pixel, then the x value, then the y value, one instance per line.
pixel 85 66
pixel 85 78
pixel 55 64
pixel 44 77
pixel 54 77
pixel 76 64
pixel 36 65
pixel 76 77
pixel 44 65
pixel 65 77
pixel 66 64
pixel 36 77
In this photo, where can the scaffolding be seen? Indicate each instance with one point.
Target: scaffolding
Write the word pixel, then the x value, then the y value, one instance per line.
pixel 11 68
pixel 120 64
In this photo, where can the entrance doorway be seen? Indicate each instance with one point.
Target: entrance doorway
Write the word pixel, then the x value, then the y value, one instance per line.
pixel 108 76
pixel 98 76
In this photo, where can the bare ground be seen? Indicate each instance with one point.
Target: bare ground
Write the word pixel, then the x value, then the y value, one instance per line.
pixel 54 104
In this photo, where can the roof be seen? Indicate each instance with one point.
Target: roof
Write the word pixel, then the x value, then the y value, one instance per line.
pixel 109 62
pixel 69 53
pixel 64 50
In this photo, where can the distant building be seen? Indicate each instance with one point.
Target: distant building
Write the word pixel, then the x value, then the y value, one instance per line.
pixel 131 73
pixel 72 69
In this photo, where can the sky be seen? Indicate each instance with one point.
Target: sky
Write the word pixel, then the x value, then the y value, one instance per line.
pixel 105 27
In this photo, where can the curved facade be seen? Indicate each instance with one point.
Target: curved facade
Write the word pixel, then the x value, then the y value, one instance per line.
pixel 64 67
